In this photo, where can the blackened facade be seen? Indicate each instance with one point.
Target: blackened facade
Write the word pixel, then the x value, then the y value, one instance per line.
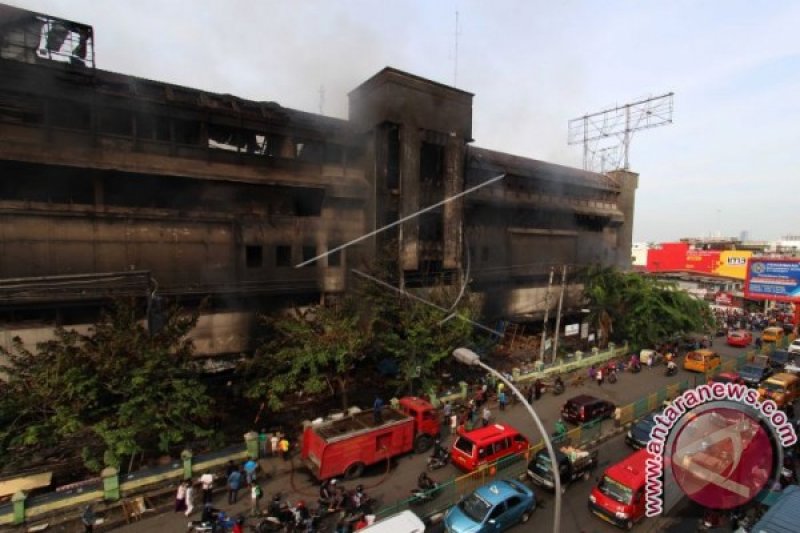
pixel 111 185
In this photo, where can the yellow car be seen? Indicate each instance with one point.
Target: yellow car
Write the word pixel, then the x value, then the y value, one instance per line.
pixel 781 388
pixel 701 361
pixel 772 334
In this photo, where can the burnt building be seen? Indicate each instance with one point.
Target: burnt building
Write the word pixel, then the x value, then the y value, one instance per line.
pixel 115 185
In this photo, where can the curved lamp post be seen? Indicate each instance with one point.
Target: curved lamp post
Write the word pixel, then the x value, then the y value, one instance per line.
pixel 468 357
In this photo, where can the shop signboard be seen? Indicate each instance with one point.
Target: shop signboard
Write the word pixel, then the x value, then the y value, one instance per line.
pixel 773 279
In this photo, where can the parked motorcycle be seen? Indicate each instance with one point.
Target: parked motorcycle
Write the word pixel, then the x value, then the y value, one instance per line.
pixel 427 489
pixel 440 457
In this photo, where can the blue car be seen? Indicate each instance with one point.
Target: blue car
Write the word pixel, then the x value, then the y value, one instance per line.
pixel 495 506
pixel 639 434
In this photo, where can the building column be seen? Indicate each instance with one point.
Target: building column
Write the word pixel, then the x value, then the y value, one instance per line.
pixel 453 212
pixel 626 202
pixel 409 196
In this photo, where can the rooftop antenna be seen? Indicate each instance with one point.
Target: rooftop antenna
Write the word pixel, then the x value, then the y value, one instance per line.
pixel 455 61
pixel 321 99
pixel 617 125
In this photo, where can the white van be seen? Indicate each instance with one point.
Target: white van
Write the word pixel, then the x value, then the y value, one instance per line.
pixel 405 522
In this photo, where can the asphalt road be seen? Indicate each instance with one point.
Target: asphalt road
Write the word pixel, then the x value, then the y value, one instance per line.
pixel 388 487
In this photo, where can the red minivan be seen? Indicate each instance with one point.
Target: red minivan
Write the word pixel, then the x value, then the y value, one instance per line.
pixel 619 496
pixel 478 447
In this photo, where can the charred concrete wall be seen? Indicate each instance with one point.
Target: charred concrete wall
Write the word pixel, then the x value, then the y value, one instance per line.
pixel 213 195
pixel 420 129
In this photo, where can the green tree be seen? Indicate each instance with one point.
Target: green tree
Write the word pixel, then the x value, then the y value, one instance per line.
pixel 421 337
pixel 112 393
pixel 641 309
pixel 306 350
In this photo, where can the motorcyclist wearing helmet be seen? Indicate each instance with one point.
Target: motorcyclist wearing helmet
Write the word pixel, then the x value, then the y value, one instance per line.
pixel 425 483
pixel 359 497
pixel 439 451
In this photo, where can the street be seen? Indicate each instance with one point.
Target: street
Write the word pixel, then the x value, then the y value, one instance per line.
pixel 395 485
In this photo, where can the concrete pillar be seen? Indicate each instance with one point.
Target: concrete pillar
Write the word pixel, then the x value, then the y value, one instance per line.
pixel 626 202
pixel 18 503
pixel 110 477
pixel 410 144
pixel 453 211
pixel 251 441
pixel 186 457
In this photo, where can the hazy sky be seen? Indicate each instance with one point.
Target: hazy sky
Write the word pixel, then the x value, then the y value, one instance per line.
pixel 730 162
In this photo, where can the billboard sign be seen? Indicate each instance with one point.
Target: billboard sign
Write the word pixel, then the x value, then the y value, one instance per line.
pixel 571 329
pixel 773 279
pixel 680 257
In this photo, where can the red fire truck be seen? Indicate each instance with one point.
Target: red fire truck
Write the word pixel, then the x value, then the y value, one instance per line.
pixel 345 446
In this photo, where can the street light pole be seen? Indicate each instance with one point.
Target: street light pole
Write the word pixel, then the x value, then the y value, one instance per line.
pixel 468 357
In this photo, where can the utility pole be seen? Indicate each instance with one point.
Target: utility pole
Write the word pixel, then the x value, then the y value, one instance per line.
pixel 546 316
pixel 558 316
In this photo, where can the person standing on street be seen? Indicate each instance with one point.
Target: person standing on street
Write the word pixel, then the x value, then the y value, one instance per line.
pixel 180 498
pixel 599 376
pixel 88 519
pixel 234 484
pixel 486 416
pixel 255 496
pixel 537 389
pixel 207 484
pixel 283 447
pixel 263 443
pixel 189 498
pixel 501 399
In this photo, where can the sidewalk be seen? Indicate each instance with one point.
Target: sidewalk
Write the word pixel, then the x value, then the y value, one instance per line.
pixel 273 477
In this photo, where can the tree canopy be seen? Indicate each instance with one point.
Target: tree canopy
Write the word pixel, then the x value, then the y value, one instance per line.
pixel 641 309
pixel 103 396
pixel 325 347
pixel 304 351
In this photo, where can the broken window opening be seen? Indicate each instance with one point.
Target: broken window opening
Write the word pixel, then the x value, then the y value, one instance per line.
pixel 152 127
pixel 310 151
pixel 69 115
pixel 334 154
pixel 335 258
pixel 20 110
pixel 309 253
pixel 253 256
pixel 431 165
pixel 431 227
pixel 236 140
pixel 187 131
pixel 283 255
pixel 115 122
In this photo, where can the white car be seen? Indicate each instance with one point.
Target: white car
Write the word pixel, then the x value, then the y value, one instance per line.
pixel 795 346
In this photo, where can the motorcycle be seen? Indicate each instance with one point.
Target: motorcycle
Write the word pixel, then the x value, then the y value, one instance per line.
pixel 558 388
pixel 671 371
pixel 214 521
pixel 635 369
pixel 439 459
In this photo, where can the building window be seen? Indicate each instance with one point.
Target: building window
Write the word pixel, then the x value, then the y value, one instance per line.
pixel 309 253
pixel 283 256
pixel 335 259
pixel 253 256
